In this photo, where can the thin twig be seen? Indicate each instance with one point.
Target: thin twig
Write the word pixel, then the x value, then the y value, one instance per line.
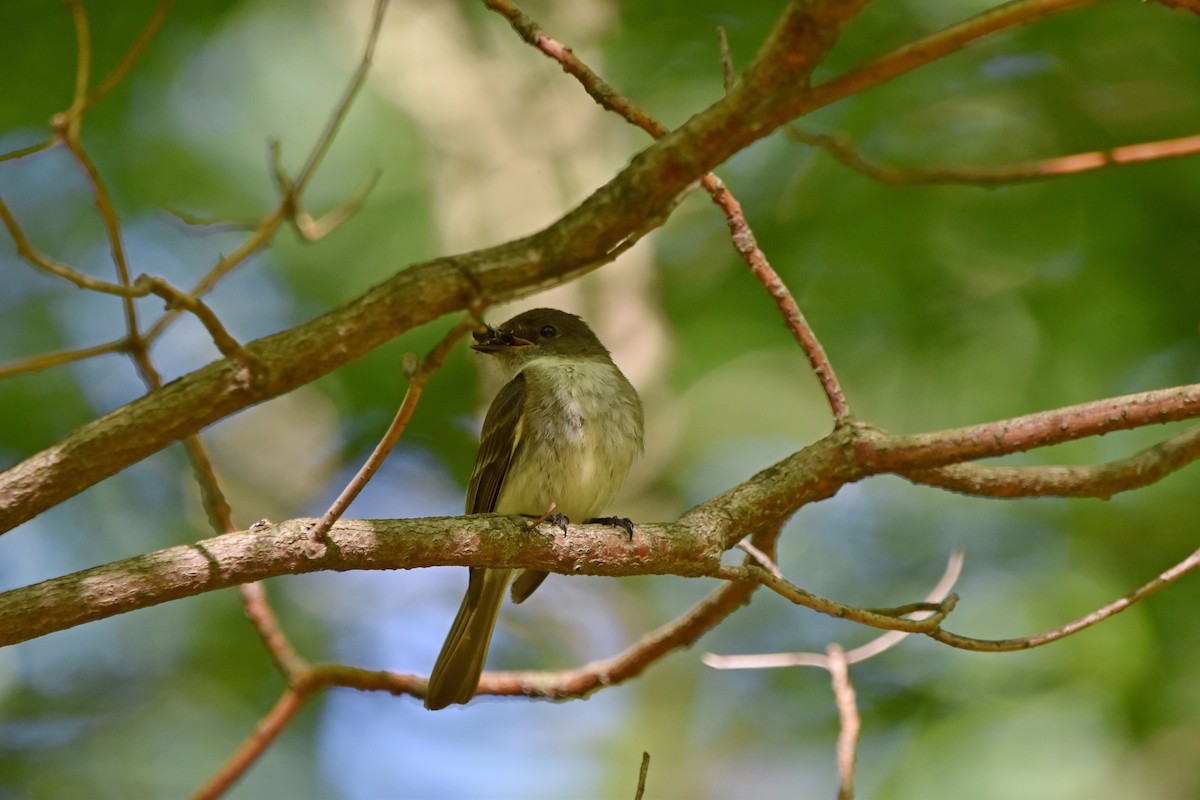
pixel 36 258
pixel 29 150
pixel 145 285
pixel 314 229
pixel 416 385
pixel 317 154
pixel 764 560
pixel 265 733
pixel 290 202
pixel 112 229
pixel 935 46
pixel 258 609
pixel 1104 612
pixel 727 71
pixel 131 56
pixel 871 649
pixel 884 618
pixel 190 222
pixel 850 724
pixel 746 244
pixel 642 773
pixel 229 347
pixel 67 123
pixel 56 359
pixel 841 149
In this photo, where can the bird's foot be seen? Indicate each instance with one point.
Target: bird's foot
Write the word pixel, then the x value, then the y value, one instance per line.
pixel 620 522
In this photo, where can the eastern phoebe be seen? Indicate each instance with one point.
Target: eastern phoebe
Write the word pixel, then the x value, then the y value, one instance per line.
pixel 563 431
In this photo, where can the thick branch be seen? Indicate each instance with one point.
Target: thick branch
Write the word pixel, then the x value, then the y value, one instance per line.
pixel 231 559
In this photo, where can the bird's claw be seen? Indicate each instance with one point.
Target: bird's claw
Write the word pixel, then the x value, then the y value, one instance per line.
pixel 620 522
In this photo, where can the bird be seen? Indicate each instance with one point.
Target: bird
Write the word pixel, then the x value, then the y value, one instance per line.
pixel 560 436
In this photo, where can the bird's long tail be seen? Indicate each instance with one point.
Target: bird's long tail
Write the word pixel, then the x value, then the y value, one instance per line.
pixel 456 674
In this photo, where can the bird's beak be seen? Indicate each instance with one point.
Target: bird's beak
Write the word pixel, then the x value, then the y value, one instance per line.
pixel 493 340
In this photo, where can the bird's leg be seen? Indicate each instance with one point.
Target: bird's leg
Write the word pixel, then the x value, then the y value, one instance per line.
pixel 550 516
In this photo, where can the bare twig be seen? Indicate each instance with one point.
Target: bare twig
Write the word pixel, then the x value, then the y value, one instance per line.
pixel 175 298
pixel 263 736
pixel 56 359
pixel 29 150
pixel 317 154
pixel 291 190
pixel 1104 612
pixel 190 222
pixel 848 730
pixel 314 229
pixel 67 124
pixel 887 619
pixel 258 609
pixel 36 258
pixel 727 70
pixel 763 560
pixel 746 244
pixel 935 46
pixel 840 148
pixel 131 56
pixel 871 649
pixel 112 229
pixel 145 285
pixel 642 773
pixel 416 385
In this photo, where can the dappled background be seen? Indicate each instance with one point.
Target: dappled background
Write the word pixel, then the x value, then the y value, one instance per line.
pixel 939 306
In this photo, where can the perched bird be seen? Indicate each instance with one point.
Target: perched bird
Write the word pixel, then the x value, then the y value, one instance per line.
pixel 564 430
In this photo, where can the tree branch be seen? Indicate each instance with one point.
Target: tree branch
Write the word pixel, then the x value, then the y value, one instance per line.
pixel 1168 577
pixel 840 148
pixel 692 547
pixel 1103 481
pixel 235 558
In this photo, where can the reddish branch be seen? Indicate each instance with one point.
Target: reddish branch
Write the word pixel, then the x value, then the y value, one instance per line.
pixel 263 736
pixel 840 148
pixel 904 454
pixel 935 46
pixel 1102 480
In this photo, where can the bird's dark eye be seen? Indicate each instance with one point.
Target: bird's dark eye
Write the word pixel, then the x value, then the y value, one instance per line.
pixel 549 332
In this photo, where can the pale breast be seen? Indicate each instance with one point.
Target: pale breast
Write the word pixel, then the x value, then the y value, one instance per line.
pixel 583 428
